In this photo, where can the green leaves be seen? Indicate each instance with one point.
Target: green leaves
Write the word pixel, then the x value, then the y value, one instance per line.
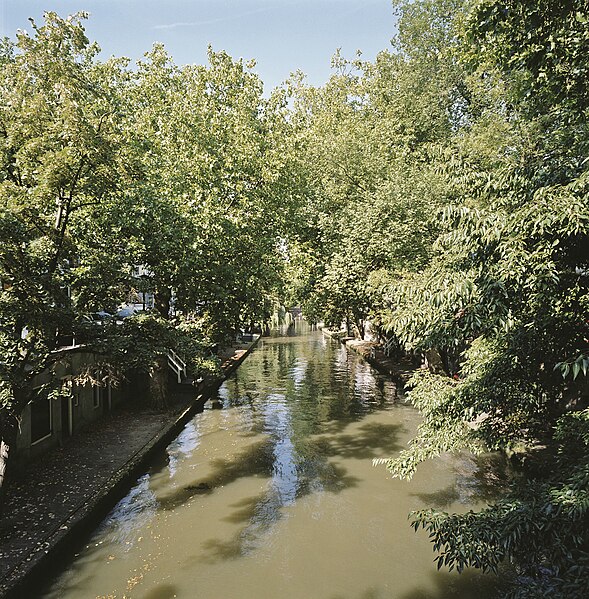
pixel 540 48
pixel 184 171
pixel 60 165
pixel 441 191
pixel 448 201
pixel 540 529
pixel 573 366
pixel 212 209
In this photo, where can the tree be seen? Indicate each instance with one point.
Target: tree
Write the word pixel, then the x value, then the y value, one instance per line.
pixel 62 165
pixel 447 199
pixel 372 140
pixel 208 217
pixel 507 295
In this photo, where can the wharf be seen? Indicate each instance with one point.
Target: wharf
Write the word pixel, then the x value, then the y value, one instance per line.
pixel 57 500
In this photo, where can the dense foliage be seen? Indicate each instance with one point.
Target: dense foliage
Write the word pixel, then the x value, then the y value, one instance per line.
pixel 439 192
pixel 451 208
pixel 178 174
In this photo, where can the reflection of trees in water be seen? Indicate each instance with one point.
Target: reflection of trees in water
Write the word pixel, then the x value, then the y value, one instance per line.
pixel 478 479
pixel 302 396
pixel 298 372
pixel 329 370
pixel 484 478
pixel 321 383
pixel 182 446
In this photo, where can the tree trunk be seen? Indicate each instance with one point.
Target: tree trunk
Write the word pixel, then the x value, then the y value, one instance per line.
pixel 158 384
pixel 8 431
pixel 434 362
pixel 161 301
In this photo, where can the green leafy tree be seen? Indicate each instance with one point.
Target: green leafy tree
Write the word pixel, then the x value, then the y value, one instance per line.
pixel 505 297
pixel 212 210
pixel 372 139
pixel 63 164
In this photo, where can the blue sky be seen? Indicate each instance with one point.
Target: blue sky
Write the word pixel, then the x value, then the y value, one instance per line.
pixel 282 35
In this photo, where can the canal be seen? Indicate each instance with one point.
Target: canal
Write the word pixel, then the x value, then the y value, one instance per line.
pixel 271 493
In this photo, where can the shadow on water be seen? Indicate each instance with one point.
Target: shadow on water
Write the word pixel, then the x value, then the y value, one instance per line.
pixel 215 550
pixel 440 499
pixel 478 479
pixel 470 584
pixel 162 591
pixel 371 593
pixel 370 440
pixel 259 460
pixel 261 512
pixel 255 460
pixel 245 509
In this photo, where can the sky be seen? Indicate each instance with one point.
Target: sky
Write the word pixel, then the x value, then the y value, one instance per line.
pixel 281 35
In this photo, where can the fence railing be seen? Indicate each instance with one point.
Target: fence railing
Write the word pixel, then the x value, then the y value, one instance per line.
pixel 389 346
pixel 177 364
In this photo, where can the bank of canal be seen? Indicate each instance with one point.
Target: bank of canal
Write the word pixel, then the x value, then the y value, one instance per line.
pixel 271 492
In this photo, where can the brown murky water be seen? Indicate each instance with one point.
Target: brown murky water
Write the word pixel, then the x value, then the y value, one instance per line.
pixel 271 493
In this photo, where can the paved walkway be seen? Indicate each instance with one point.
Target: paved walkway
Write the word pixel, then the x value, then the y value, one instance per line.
pixel 43 499
pixel 56 498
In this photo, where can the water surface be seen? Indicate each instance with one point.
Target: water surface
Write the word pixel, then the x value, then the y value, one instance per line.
pixel 271 493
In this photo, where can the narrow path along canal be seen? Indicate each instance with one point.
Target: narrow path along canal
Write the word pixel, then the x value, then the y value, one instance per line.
pixel 271 493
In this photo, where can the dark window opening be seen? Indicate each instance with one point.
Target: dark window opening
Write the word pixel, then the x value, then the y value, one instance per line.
pixel 96 396
pixel 40 419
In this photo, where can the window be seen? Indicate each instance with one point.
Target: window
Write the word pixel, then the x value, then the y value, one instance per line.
pixel 40 419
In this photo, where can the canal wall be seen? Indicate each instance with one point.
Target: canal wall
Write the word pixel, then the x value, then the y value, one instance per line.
pixel 58 503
